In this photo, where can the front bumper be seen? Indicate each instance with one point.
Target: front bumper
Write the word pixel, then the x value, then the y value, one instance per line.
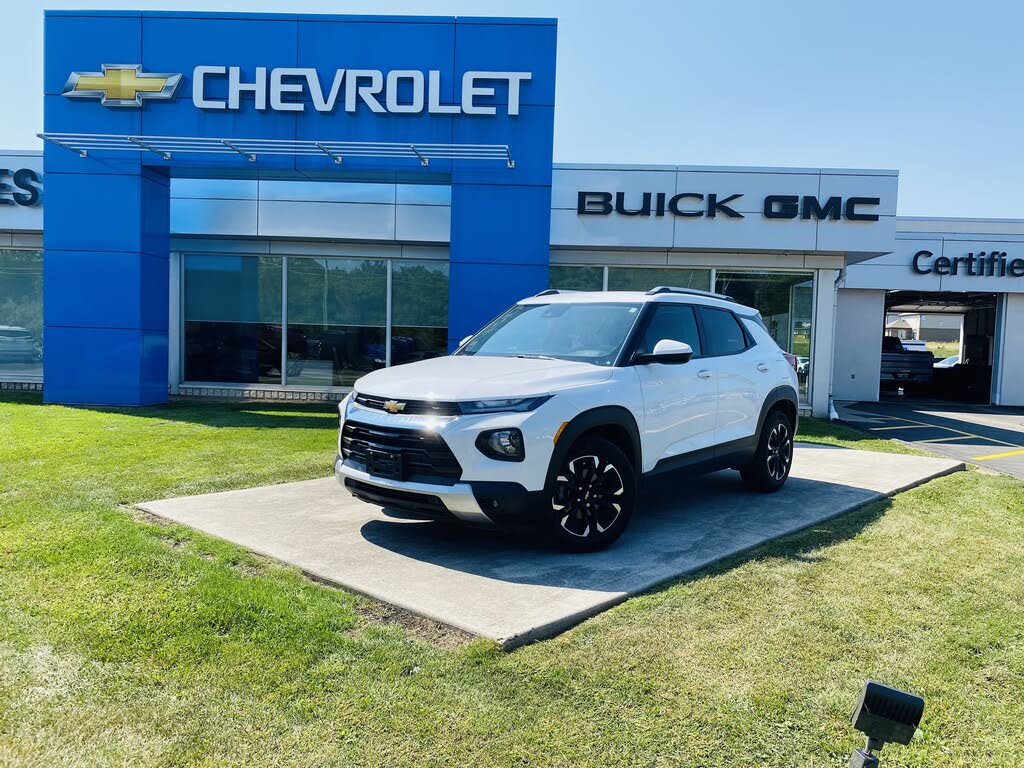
pixel 457 498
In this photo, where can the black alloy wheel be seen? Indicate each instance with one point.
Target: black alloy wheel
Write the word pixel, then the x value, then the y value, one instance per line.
pixel 773 460
pixel 780 452
pixel 592 497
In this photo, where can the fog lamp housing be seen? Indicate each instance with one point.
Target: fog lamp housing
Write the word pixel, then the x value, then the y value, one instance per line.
pixel 502 444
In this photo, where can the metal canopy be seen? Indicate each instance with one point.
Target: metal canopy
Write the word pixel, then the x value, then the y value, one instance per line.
pixel 168 146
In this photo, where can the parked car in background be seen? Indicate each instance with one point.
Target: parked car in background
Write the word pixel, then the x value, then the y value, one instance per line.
pixel 17 345
pixel 947 362
pixel 803 367
pixel 906 369
pixel 550 416
pixel 913 345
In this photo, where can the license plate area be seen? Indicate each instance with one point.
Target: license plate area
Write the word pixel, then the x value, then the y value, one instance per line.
pixel 387 464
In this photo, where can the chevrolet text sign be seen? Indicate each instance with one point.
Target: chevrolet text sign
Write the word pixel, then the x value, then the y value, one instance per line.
pixel 399 91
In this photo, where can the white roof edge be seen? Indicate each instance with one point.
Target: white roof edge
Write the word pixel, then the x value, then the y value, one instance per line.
pixel 721 169
pixel 956 219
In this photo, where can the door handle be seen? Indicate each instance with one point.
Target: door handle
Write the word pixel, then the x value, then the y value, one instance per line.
pixel 762 367
pixel 704 374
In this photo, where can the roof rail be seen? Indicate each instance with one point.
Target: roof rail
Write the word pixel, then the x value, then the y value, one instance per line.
pixel 692 291
pixel 553 292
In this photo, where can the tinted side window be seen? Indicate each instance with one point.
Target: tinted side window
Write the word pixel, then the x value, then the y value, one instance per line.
pixel 722 332
pixel 670 321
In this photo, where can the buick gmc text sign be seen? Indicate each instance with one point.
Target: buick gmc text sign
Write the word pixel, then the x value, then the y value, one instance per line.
pixel 712 205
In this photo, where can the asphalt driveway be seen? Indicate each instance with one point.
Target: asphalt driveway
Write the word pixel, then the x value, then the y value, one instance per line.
pixel 982 435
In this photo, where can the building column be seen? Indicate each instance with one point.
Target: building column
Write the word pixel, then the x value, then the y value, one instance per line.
pixel 1008 358
pixel 824 335
pixel 105 285
pixel 499 252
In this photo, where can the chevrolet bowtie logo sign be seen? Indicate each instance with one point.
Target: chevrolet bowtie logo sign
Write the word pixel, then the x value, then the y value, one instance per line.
pixel 121 85
pixel 393 406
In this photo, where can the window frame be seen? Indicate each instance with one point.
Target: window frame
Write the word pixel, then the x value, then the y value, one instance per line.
pixel 647 317
pixel 748 341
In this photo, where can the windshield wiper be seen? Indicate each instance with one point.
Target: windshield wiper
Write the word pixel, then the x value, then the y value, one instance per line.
pixel 538 357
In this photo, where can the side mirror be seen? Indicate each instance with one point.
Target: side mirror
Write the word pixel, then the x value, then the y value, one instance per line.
pixel 465 340
pixel 666 351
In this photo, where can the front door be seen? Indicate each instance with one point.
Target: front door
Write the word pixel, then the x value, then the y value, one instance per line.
pixel 679 398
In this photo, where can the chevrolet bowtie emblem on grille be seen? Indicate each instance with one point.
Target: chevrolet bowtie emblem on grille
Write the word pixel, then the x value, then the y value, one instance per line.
pixel 393 406
pixel 121 85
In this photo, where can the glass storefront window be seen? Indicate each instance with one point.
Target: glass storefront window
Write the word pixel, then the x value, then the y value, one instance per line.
pixel 21 315
pixel 232 318
pixel 576 278
pixel 785 302
pixel 645 278
pixel 335 318
pixel 337 309
pixel 419 310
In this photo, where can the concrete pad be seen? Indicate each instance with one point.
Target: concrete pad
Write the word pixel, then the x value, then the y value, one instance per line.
pixel 501 587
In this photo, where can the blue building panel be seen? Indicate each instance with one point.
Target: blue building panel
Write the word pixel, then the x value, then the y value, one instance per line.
pixel 486 290
pixel 106 225
pixel 104 366
pixel 93 212
pixel 332 43
pixel 533 51
pixel 498 232
pixel 83 41
pixel 105 289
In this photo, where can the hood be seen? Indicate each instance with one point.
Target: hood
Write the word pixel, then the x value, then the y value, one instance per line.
pixel 472 377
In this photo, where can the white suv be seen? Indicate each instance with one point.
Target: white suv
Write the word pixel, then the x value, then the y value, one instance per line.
pixel 550 416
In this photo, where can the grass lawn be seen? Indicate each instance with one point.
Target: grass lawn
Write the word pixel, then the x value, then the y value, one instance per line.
pixel 943 349
pixel 124 642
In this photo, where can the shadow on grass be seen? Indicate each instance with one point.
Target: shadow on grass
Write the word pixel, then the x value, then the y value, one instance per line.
pixel 219 414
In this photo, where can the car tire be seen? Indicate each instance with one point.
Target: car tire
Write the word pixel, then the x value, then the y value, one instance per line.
pixel 591 497
pixel 773 459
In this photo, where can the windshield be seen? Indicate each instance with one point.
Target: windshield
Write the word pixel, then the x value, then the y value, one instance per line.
pixel 585 332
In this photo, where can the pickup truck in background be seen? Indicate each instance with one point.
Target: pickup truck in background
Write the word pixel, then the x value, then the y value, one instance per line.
pixel 903 368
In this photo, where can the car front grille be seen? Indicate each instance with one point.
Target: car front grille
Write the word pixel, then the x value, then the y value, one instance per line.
pixel 425 455
pixel 408 407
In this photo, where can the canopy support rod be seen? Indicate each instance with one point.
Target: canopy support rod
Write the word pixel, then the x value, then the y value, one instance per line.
pixel 164 155
pixel 248 156
pixel 79 152
pixel 424 161
pixel 334 156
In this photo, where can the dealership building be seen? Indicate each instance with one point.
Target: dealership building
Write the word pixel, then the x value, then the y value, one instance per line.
pixel 272 205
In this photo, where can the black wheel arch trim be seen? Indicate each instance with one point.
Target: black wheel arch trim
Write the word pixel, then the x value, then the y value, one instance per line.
pixel 782 393
pixel 587 421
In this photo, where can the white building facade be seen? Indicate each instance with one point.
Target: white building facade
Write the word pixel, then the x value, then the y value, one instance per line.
pixel 284 286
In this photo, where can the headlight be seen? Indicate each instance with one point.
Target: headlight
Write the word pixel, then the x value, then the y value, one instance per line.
pixel 502 444
pixel 503 405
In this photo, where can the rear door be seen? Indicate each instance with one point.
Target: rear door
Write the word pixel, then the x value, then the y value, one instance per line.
pixel 734 356
pixel 679 398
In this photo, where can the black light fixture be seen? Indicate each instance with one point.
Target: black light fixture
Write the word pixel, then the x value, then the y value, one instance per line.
pixel 884 714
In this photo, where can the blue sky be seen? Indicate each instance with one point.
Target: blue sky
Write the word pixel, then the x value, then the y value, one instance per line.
pixel 929 88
